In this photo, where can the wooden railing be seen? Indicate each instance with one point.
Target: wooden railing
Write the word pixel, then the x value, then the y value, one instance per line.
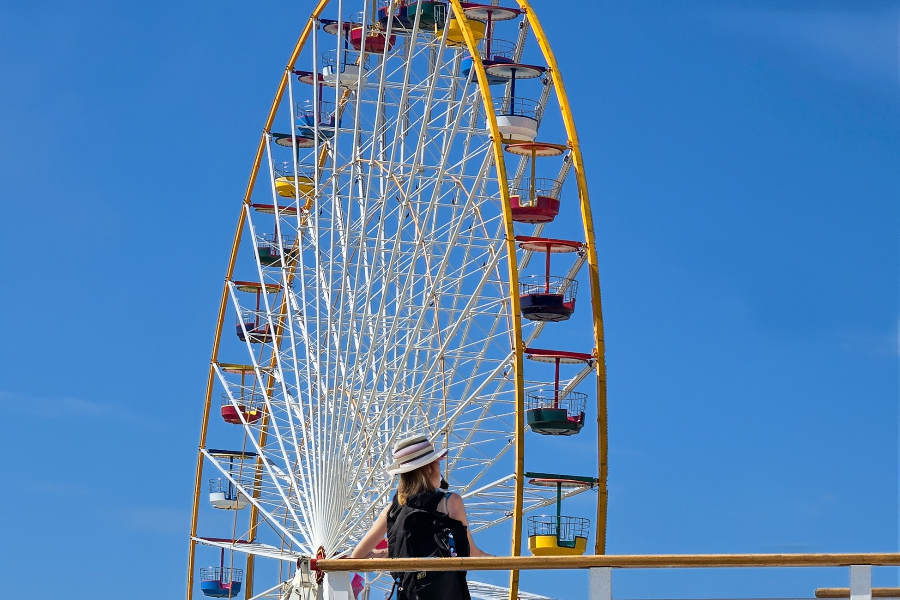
pixel 600 568
pixel 624 561
pixel 885 592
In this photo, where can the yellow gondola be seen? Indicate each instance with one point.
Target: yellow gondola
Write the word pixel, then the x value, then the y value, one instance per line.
pixel 558 535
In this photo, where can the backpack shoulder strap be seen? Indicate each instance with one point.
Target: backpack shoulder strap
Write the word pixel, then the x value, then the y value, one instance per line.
pixel 394 510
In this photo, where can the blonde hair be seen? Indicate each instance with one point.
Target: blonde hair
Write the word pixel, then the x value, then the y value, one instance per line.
pixel 415 482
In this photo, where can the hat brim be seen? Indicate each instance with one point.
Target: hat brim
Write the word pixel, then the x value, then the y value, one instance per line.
pixel 397 468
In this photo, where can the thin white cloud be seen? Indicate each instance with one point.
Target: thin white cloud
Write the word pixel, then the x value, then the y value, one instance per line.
pixel 56 489
pixel 849 46
pixel 790 548
pixel 154 519
pixel 873 344
pixel 67 407
pixel 50 407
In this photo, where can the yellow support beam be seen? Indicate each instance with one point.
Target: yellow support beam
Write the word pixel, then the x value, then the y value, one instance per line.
pixel 471 40
pixel 593 272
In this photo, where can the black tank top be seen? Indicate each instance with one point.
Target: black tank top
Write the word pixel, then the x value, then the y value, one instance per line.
pixel 413 532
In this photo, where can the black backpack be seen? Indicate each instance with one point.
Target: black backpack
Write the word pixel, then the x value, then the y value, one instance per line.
pixel 419 530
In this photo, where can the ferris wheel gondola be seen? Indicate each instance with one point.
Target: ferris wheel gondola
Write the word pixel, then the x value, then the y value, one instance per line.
pixel 376 289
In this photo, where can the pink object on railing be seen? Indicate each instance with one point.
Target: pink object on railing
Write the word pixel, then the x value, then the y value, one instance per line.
pixel 357 584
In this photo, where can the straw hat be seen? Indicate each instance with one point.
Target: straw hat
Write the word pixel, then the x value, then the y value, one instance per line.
pixel 412 453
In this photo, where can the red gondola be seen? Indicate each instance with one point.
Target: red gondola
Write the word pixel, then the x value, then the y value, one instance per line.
pixel 540 205
pixel 248 406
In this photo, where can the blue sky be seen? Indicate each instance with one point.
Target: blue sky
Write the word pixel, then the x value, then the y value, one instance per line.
pixel 743 164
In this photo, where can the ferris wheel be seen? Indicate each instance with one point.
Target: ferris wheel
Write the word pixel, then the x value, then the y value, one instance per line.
pixel 391 274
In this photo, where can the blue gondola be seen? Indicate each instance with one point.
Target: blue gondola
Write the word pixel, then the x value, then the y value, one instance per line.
pixel 306 120
pixel 498 52
pixel 221 582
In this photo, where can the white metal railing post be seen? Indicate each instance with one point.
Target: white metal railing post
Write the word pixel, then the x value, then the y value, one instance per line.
pixel 337 586
pixel 600 583
pixel 861 582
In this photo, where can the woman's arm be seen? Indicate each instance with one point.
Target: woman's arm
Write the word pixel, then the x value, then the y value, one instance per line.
pixel 457 510
pixel 366 546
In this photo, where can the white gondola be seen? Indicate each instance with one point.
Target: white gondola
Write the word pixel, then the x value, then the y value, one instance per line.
pixel 517 127
pixel 344 65
pixel 224 496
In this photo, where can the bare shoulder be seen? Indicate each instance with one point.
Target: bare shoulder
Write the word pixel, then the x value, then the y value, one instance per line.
pixel 456 507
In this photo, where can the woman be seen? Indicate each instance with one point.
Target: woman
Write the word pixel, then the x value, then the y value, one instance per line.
pixel 419 493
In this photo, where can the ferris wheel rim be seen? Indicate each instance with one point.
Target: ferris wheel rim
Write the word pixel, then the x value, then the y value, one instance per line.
pixel 497 166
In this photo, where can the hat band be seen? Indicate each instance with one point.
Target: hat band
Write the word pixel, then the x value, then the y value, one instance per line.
pixel 398 454
pixel 414 455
